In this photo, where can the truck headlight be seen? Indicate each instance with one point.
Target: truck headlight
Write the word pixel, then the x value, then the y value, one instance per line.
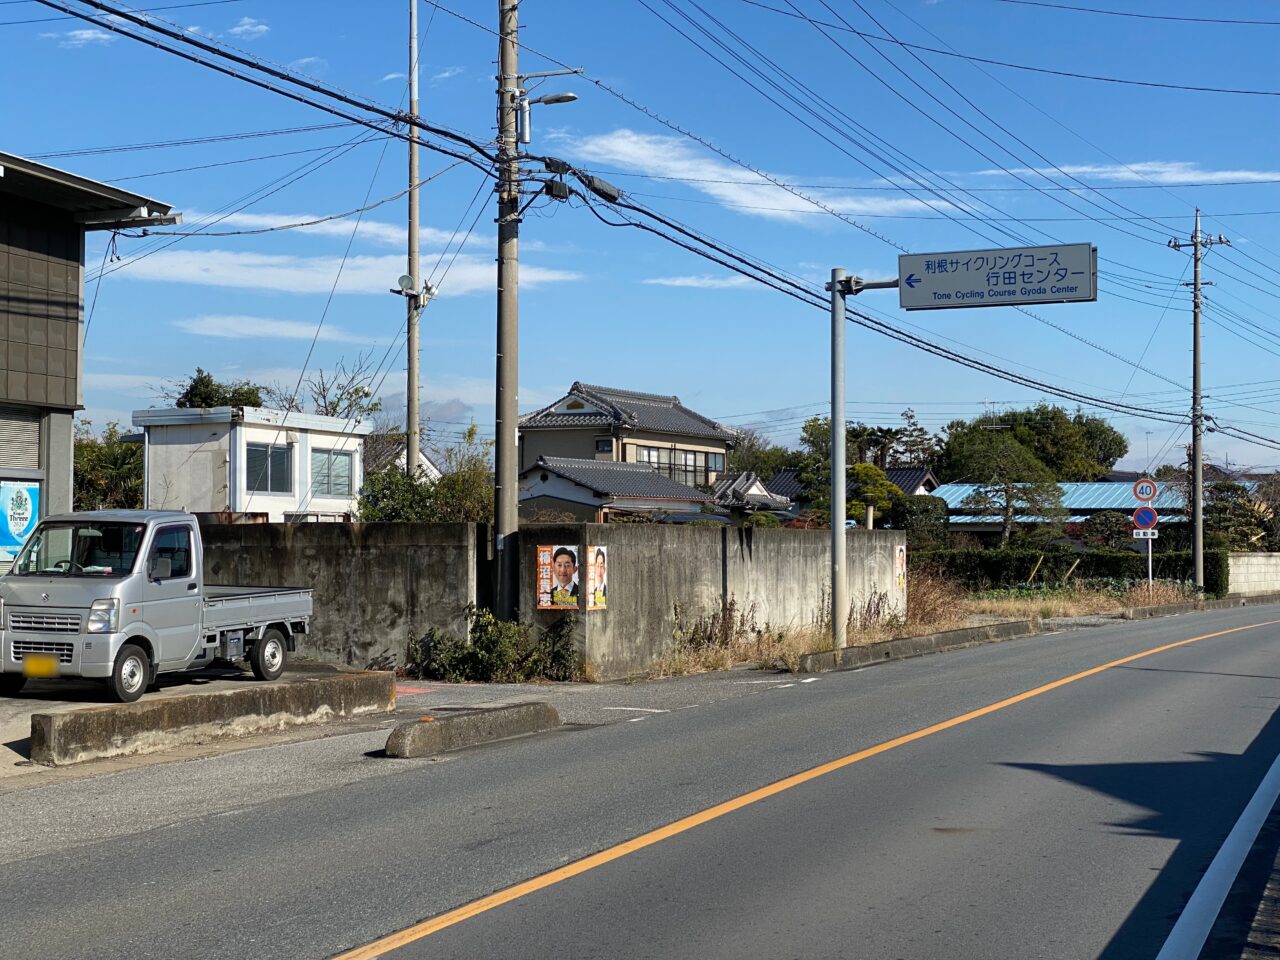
pixel 104 616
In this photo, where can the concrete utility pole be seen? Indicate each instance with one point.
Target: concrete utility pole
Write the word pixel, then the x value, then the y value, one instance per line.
pixel 1198 244
pixel 839 287
pixel 413 296
pixel 505 494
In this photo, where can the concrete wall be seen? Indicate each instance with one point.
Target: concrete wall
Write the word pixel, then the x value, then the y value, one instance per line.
pixel 377 585
pixel 1254 573
pixel 778 577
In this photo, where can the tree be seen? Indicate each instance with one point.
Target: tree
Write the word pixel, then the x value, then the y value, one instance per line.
pixel 462 494
pixel 1110 530
pixel 869 487
pixel 883 440
pixel 915 445
pixel 108 471
pixel 341 392
pixel 1232 518
pixel 201 391
pixel 1011 481
pixel 1074 447
pixel 1168 471
pixel 755 454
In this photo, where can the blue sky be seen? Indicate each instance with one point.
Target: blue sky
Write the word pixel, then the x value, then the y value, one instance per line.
pixel 627 309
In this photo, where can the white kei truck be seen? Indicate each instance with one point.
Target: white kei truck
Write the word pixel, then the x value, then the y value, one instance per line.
pixel 119 596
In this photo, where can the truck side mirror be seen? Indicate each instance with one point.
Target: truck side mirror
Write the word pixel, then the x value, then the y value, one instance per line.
pixel 161 568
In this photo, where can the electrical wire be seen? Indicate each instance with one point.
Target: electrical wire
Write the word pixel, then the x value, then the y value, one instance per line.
pixel 189 142
pixel 1143 16
pixel 172 6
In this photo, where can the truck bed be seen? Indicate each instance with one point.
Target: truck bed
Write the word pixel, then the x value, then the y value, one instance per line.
pixel 232 607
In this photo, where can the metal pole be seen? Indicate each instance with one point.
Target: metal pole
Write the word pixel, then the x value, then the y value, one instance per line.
pixel 413 440
pixel 1197 416
pixel 506 520
pixel 839 587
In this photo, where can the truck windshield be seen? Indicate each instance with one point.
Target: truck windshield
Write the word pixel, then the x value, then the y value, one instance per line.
pixel 80 549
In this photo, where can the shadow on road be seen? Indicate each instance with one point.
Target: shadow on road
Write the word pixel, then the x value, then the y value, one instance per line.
pixel 1195 802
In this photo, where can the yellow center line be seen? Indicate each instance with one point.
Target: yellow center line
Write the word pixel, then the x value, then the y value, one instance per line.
pixel 427 927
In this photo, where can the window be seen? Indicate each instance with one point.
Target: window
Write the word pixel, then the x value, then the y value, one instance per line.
pixel 330 473
pixel 604 444
pixel 172 544
pixel 690 467
pixel 81 550
pixel 269 468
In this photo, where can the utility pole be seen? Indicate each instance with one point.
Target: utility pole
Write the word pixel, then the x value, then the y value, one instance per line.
pixel 413 296
pixel 1198 243
pixel 506 518
pixel 839 287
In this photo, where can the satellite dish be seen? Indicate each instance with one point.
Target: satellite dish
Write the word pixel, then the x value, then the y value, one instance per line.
pixel 406 283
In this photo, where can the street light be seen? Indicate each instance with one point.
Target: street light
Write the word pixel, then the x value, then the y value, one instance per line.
pixel 524 103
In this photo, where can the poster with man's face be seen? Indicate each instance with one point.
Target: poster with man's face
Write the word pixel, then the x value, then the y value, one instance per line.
pixel 557 577
pixel 597 578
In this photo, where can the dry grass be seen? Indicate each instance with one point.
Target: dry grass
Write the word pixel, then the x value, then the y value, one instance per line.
pixel 1075 600
pixel 733 636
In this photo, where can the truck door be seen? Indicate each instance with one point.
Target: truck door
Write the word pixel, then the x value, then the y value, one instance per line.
pixel 171 595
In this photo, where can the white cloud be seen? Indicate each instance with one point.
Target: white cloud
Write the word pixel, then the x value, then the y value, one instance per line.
pixel 448 73
pixel 665 156
pixel 76 39
pixel 249 29
pixel 1164 172
pixel 702 281
pixel 309 65
pixel 294 274
pixel 393 76
pixel 129 384
pixel 237 327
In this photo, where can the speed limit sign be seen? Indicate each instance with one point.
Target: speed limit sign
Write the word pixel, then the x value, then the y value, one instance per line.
pixel 1144 490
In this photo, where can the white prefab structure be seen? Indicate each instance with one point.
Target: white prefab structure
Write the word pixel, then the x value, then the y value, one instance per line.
pixel 291 467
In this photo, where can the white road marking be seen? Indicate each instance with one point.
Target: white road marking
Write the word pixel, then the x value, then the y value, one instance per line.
pixel 810 680
pixel 636 719
pixel 636 710
pixel 785 685
pixel 1188 935
pixel 741 682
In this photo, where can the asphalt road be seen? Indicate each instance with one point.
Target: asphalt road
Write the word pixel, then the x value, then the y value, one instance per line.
pixel 1074 822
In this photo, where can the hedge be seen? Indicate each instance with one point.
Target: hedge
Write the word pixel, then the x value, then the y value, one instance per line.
pixel 981 569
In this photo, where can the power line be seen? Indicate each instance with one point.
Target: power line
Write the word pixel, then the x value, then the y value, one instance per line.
pixel 189 142
pixel 1143 16
pixel 224 163
pixel 174 6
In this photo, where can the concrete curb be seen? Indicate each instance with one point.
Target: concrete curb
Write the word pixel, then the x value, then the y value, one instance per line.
pixel 429 736
pixel 150 725
pixel 1195 606
pixel 851 658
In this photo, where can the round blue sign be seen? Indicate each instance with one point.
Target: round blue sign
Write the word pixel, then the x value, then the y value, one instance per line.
pixel 1144 518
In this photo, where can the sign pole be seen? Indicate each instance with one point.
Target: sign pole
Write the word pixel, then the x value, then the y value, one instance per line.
pixel 839 604
pixel 1150 586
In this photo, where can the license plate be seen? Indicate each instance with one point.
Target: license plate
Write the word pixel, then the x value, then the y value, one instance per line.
pixel 40 664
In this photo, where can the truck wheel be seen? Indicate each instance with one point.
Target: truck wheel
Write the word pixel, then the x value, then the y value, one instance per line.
pixel 268 655
pixel 11 684
pixel 131 674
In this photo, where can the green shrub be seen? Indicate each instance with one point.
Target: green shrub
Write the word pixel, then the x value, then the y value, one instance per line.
pixel 498 651
pixel 762 520
pixel 979 569
pixel 923 519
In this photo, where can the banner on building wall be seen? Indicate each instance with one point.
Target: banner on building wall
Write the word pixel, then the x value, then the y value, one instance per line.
pixel 20 503
pixel 557 577
pixel 597 577
pixel 900 567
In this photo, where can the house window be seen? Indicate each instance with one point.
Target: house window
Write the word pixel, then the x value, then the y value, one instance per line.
pixel 330 473
pixel 604 444
pixel 689 467
pixel 269 468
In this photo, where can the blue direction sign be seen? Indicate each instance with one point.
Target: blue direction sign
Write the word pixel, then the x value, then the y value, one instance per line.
pixel 1144 518
pixel 998 278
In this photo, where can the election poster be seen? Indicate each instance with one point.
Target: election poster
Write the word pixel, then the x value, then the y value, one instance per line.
pixel 558 577
pixel 597 578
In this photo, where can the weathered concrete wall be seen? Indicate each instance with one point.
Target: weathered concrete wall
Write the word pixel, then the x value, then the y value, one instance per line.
pixel 777 577
pixel 1254 573
pixel 377 585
